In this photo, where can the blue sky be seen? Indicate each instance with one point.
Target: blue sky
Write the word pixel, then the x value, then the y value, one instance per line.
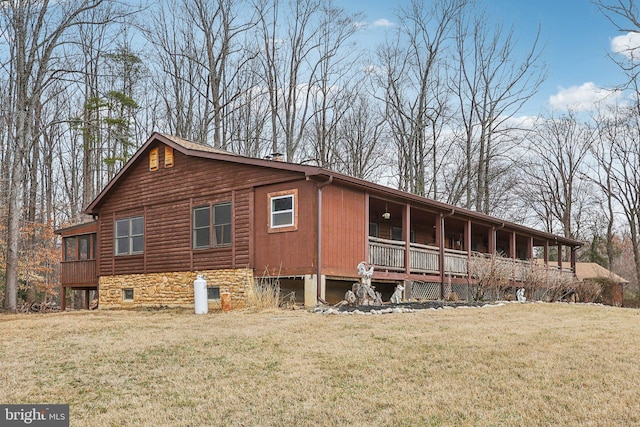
pixel 577 39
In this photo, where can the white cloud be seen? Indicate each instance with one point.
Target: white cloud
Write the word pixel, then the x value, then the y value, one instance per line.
pixel 382 23
pixel 521 122
pixel 373 69
pixel 582 98
pixel 627 45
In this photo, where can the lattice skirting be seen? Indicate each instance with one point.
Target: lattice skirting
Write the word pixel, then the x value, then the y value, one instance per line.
pixel 425 291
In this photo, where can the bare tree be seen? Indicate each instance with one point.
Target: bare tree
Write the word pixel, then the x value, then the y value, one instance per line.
pixel 360 148
pixel 557 152
pixel 492 85
pixel 290 56
pixel 332 73
pixel 606 132
pixel 618 157
pixel 414 67
pixel 179 80
pixel 38 30
pixel 248 115
pixel 219 27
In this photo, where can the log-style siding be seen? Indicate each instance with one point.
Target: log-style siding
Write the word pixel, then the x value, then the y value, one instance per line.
pixel 167 236
pixel 166 197
pixel 242 227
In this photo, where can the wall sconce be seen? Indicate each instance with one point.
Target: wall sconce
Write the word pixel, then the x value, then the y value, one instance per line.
pixel 386 215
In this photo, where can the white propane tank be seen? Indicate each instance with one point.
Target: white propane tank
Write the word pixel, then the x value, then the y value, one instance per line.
pixel 200 295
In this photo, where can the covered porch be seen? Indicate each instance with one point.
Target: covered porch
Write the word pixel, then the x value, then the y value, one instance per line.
pixel 78 269
pixel 408 242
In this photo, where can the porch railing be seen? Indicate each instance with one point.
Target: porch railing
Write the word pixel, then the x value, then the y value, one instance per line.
pixel 424 258
pixel 389 255
pixel 78 273
pixel 565 271
pixel 455 262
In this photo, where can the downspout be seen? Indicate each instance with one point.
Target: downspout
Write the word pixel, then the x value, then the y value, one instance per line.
pixel 320 186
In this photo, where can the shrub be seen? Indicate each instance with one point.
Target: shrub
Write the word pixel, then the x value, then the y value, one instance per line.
pixel 264 293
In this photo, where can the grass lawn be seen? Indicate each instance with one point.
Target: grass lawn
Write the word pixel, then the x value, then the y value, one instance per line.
pixel 515 365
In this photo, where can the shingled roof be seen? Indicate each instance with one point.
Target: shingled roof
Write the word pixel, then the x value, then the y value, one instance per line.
pixel 591 270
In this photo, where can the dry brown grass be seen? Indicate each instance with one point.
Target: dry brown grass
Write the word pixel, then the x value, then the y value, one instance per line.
pixel 520 364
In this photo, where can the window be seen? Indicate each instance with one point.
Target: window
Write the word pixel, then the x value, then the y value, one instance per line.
pixel 79 248
pixel 212 226
pixel 84 248
pixel 283 211
pixel 130 236
pixel 222 224
pixel 213 292
pixel 127 294
pixel 201 227
pixel 69 248
pixel 373 229
pixel 396 233
pixel 153 159
pixel 168 157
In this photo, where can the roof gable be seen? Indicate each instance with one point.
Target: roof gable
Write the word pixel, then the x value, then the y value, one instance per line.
pixel 190 149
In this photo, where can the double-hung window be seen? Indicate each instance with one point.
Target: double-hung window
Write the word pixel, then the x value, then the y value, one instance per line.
pixel 130 236
pixel 283 211
pixel 201 227
pixel 212 226
pixel 222 224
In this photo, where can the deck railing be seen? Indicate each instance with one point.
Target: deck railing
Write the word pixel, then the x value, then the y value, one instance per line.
pixel 565 271
pixel 424 258
pixel 78 272
pixel 455 262
pixel 389 255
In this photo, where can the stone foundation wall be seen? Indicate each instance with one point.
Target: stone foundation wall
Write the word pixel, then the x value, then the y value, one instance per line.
pixel 172 288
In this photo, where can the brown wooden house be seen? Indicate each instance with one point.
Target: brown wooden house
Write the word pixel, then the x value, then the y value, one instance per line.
pixel 178 209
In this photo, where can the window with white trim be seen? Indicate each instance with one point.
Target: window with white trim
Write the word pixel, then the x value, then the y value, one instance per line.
pixel 129 236
pixel 282 211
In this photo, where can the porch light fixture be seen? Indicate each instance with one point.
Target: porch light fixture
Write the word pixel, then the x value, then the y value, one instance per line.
pixel 386 215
